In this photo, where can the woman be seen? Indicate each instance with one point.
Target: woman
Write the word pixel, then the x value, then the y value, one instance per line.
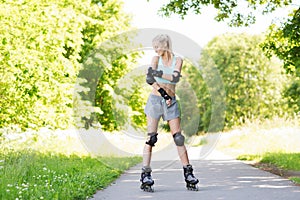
pixel 163 74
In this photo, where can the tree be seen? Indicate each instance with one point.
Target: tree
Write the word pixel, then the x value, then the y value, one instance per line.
pixel 284 42
pixel 43 46
pixel 253 83
pixel 226 9
pixel 37 73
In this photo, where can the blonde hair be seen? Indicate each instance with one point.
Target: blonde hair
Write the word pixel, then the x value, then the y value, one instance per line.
pixel 163 41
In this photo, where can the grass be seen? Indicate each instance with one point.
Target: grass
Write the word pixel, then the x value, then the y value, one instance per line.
pixel 273 142
pixel 295 180
pixel 32 175
pixel 283 164
pixel 286 161
pixel 57 173
pixel 258 138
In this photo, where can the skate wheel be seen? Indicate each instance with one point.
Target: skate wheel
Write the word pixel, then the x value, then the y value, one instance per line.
pixel 147 188
pixel 192 187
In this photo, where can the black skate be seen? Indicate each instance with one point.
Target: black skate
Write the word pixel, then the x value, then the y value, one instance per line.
pixel 191 181
pixel 146 180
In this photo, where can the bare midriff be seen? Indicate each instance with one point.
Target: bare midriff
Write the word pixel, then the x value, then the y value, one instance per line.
pixel 169 88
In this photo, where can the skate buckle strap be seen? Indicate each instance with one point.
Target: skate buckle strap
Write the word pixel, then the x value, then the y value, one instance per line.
pixel 147 169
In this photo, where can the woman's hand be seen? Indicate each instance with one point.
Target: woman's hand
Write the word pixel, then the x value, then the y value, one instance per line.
pixel 169 102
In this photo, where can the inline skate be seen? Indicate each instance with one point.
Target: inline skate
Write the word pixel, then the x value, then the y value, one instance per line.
pixel 146 180
pixel 190 179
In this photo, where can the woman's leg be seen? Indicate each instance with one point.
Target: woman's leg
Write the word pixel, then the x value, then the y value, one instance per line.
pixel 152 125
pixel 190 179
pixel 182 152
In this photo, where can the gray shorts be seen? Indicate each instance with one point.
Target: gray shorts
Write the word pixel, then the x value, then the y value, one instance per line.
pixel 156 107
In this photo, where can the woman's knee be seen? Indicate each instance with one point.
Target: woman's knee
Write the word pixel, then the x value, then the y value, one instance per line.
pixel 152 139
pixel 178 139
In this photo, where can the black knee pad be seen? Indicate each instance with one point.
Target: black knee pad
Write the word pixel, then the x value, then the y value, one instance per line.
pixel 152 140
pixel 178 139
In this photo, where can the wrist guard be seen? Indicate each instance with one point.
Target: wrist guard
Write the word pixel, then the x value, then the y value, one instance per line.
pixel 149 78
pixel 157 73
pixel 164 94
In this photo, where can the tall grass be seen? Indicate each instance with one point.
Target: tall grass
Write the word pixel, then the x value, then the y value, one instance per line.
pixel 260 137
pixel 274 142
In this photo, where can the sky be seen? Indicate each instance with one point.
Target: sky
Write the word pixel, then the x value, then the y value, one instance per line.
pixel 200 28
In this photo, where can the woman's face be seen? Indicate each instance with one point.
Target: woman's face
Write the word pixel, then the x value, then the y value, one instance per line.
pixel 159 50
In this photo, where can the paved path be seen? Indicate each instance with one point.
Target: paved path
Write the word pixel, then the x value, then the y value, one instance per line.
pixel 220 178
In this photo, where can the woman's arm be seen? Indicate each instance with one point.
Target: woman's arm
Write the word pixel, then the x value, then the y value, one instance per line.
pixel 154 64
pixel 153 67
pixel 151 81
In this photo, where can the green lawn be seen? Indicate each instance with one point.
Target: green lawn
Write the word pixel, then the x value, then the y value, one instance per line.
pixel 280 160
pixel 51 168
pixel 287 161
pixel 32 175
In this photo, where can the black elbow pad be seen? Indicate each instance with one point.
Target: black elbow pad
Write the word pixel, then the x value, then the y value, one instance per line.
pixel 176 77
pixel 149 78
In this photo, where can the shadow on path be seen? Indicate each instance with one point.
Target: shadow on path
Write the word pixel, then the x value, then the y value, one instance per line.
pixel 224 179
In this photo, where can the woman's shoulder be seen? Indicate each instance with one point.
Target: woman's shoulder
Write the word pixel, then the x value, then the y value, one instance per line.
pixel 155 62
pixel 155 58
pixel 178 59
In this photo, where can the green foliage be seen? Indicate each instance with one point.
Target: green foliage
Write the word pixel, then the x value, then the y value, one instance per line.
pixel 113 118
pixel 137 102
pixel 202 93
pixel 284 42
pixel 252 82
pixel 226 9
pixel 210 93
pixel 187 101
pixel 102 71
pixel 133 92
pixel 36 77
pixel 30 175
pixel 291 94
pixel 43 46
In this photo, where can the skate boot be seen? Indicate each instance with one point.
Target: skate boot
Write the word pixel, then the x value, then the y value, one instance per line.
pixel 191 181
pixel 146 180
